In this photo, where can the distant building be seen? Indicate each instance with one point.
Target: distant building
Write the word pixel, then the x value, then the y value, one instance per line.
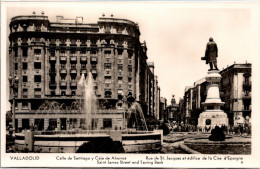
pixel 48 58
pixel 163 106
pixel 194 96
pixel 172 110
pixel 236 86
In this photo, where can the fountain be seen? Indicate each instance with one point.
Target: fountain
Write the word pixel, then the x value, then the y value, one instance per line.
pixel 134 138
pixel 89 101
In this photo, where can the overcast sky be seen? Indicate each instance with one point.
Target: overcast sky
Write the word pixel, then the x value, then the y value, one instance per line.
pixel 176 34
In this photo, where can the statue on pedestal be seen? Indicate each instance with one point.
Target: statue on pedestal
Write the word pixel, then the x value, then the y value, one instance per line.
pixel 211 54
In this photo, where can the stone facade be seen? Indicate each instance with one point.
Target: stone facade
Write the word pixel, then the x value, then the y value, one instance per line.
pixel 235 89
pixel 49 58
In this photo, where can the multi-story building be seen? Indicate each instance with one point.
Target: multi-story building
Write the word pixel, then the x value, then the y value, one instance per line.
pixel 48 58
pixel 236 93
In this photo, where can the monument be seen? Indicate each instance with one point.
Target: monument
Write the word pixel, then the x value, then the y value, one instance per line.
pixel 212 115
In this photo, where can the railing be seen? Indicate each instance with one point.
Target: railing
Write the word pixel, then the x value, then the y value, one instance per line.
pixel 73 71
pixel 63 71
pixel 73 58
pixel 83 58
pixel 93 59
pixel 63 83
pixel 52 58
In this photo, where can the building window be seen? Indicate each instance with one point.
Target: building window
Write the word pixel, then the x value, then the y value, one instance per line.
pixel 52 52
pixel 16 52
pixel 63 93
pixel 37 51
pixel 37 92
pixel 63 66
pixel 107 65
pixel 83 52
pixel 83 66
pixel 107 123
pixel 37 78
pixel 120 52
pixel 93 52
pixel 130 68
pixel 73 66
pixel 73 93
pixel 25 93
pixel 120 67
pixel 25 52
pixel 108 94
pixel 62 51
pixel 53 93
pixel 16 66
pixel 120 80
pixel 25 66
pixel 37 65
pixel 129 80
pixel 107 79
pixel 25 79
pixel 107 52
pixel 24 105
pixel 107 29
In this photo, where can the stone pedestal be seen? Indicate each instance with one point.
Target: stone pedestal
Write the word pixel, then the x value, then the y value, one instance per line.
pixel 212 115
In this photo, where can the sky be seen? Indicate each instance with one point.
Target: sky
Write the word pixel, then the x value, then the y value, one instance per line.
pixel 176 33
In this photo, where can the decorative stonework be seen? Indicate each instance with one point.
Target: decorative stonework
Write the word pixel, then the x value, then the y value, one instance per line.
pixel 212 115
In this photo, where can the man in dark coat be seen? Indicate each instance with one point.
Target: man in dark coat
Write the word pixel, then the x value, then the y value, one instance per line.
pixel 211 54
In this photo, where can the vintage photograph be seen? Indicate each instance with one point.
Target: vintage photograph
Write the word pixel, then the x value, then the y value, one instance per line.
pixel 128 78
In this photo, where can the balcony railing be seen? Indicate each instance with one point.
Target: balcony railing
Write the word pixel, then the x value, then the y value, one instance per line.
pixel 63 71
pixel 73 84
pixel 63 58
pixel 52 85
pixel 73 71
pixel 63 84
pixel 52 58
pixel 93 59
pixel 94 71
pixel 83 71
pixel 73 58
pixel 83 59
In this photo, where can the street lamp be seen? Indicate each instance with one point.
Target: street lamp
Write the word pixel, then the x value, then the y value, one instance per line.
pixel 13 82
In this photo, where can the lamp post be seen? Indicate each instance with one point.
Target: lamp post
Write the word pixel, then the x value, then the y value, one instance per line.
pixel 13 82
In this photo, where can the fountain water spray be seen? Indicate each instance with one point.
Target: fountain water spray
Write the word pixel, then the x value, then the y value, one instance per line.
pixel 89 101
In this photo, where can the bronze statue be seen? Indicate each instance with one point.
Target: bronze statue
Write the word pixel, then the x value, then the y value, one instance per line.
pixel 211 54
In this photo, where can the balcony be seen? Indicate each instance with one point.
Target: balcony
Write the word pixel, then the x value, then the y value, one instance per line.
pixel 93 59
pixel 73 59
pixel 63 71
pixel 52 85
pixel 63 84
pixel 73 84
pixel 94 71
pixel 83 71
pixel 73 71
pixel 83 59
pixel 52 58
pixel 63 58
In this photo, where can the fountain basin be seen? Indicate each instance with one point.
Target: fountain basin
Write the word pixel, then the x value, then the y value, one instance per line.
pixel 132 141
